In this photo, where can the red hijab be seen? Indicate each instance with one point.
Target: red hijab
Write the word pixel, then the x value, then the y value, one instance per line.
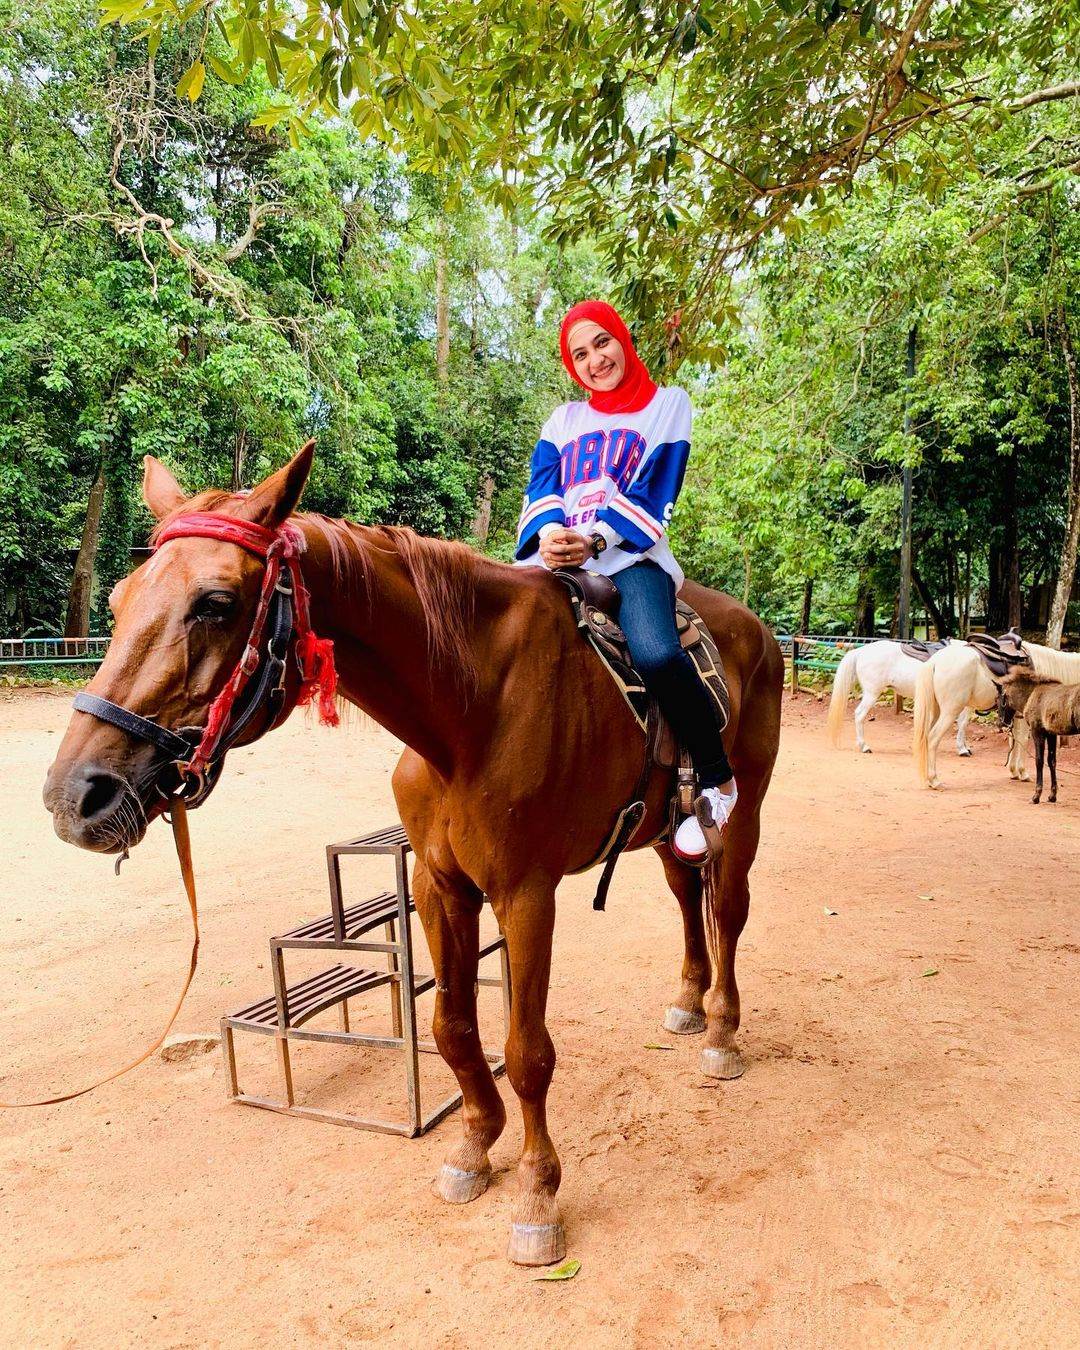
pixel 636 388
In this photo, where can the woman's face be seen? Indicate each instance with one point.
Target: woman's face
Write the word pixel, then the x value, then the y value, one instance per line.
pixel 598 358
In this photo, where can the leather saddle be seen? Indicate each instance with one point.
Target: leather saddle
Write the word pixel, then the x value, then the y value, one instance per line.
pixel 922 651
pixel 1000 654
pixel 595 602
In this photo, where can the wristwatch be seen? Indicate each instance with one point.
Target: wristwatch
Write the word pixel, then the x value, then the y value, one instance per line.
pixel 597 544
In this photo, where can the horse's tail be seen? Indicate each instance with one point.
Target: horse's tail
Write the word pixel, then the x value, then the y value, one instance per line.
pixel 843 682
pixel 926 714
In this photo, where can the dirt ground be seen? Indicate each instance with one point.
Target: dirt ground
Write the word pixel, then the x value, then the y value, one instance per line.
pixel 897 1166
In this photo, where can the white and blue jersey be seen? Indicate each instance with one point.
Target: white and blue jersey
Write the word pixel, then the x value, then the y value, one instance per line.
pixel 615 474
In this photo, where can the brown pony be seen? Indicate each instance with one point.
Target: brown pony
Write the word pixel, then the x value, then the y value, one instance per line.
pixel 521 753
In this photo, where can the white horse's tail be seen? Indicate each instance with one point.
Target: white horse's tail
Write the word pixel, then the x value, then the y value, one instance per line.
pixel 842 684
pixel 926 714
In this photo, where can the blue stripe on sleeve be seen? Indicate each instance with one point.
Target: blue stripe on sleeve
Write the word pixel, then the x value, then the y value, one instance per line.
pixel 543 482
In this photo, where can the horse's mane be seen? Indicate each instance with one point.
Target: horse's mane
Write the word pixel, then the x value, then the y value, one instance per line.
pixel 1063 666
pixel 443 572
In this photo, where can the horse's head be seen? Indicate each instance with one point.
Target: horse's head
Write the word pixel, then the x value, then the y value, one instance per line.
pixel 1014 690
pixel 182 622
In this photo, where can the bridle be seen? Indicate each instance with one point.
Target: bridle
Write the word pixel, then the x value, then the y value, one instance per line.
pixel 257 685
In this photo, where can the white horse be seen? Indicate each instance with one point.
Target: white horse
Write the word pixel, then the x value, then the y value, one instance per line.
pixel 956 678
pixel 878 666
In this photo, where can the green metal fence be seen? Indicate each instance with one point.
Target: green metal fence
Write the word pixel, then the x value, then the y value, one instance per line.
pixel 30 653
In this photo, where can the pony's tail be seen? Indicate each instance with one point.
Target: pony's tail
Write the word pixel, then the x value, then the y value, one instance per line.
pixel 843 682
pixel 926 714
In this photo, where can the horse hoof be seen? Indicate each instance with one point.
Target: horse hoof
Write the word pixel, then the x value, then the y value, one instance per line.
pixel 457 1187
pixel 965 753
pixel 683 1023
pixel 866 750
pixel 722 1063
pixel 536 1244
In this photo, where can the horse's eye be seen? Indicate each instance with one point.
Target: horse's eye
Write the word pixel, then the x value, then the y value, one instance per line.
pixel 215 606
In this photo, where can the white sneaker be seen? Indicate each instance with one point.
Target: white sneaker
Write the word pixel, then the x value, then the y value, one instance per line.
pixel 690 843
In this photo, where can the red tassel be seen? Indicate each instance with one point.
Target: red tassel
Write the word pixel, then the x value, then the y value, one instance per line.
pixel 320 676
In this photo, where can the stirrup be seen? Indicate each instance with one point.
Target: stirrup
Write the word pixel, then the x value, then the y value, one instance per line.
pixel 714 834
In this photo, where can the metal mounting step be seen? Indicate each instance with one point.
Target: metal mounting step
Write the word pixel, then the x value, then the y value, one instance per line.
pixel 308 998
pixel 356 920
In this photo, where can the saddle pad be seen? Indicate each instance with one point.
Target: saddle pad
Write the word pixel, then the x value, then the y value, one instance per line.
pixel 609 642
pixel 922 651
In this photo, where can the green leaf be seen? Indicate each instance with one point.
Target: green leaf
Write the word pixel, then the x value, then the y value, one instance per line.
pixel 654 1045
pixel 566 1271
pixel 223 70
pixel 927 973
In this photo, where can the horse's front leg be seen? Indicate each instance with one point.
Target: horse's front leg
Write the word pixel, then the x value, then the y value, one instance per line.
pixel 727 898
pixel 527 919
pixel 1051 760
pixel 1039 737
pixel 449 908
pixel 687 1014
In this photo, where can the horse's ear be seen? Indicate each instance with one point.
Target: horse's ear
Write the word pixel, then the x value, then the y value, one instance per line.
pixel 160 490
pixel 277 497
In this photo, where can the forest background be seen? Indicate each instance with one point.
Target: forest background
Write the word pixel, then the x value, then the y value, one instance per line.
pixel 849 230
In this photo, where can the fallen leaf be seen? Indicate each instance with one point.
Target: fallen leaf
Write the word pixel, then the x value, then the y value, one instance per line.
pixel 830 912
pixel 924 897
pixel 652 1045
pixel 566 1271
pixel 931 971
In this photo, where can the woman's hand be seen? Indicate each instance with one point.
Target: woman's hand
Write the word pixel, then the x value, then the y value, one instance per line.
pixel 565 548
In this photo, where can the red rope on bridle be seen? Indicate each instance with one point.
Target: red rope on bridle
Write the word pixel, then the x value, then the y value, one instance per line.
pixel 314 655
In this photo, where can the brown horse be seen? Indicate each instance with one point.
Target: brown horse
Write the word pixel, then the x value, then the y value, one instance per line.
pixel 521 753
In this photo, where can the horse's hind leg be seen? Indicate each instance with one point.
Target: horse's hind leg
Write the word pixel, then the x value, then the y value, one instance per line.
pixel 729 904
pixel 1021 734
pixel 962 747
pixel 865 706
pixel 1051 759
pixel 933 740
pixel 449 908
pixel 687 1014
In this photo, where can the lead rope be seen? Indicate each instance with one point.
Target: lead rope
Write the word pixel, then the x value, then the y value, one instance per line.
pixel 182 840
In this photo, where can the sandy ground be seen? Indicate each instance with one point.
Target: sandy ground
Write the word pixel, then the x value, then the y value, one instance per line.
pixel 897 1167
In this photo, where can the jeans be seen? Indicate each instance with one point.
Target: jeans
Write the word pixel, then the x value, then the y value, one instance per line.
pixel 647 617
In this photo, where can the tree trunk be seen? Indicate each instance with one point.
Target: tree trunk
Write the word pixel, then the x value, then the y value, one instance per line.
pixel 481 525
pixel 77 623
pixel 942 622
pixel 864 607
pixel 239 446
pixel 965 603
pixel 807 601
pixel 1003 599
pixel 442 309
pixel 1067 565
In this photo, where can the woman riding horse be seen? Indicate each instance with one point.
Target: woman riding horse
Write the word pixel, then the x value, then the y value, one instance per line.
pixel 605 477
pixel 480 669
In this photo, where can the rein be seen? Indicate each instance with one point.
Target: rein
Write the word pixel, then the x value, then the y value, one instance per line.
pixel 182 840
pixel 257 683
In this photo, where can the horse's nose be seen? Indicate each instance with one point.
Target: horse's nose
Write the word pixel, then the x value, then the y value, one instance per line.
pixel 96 793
